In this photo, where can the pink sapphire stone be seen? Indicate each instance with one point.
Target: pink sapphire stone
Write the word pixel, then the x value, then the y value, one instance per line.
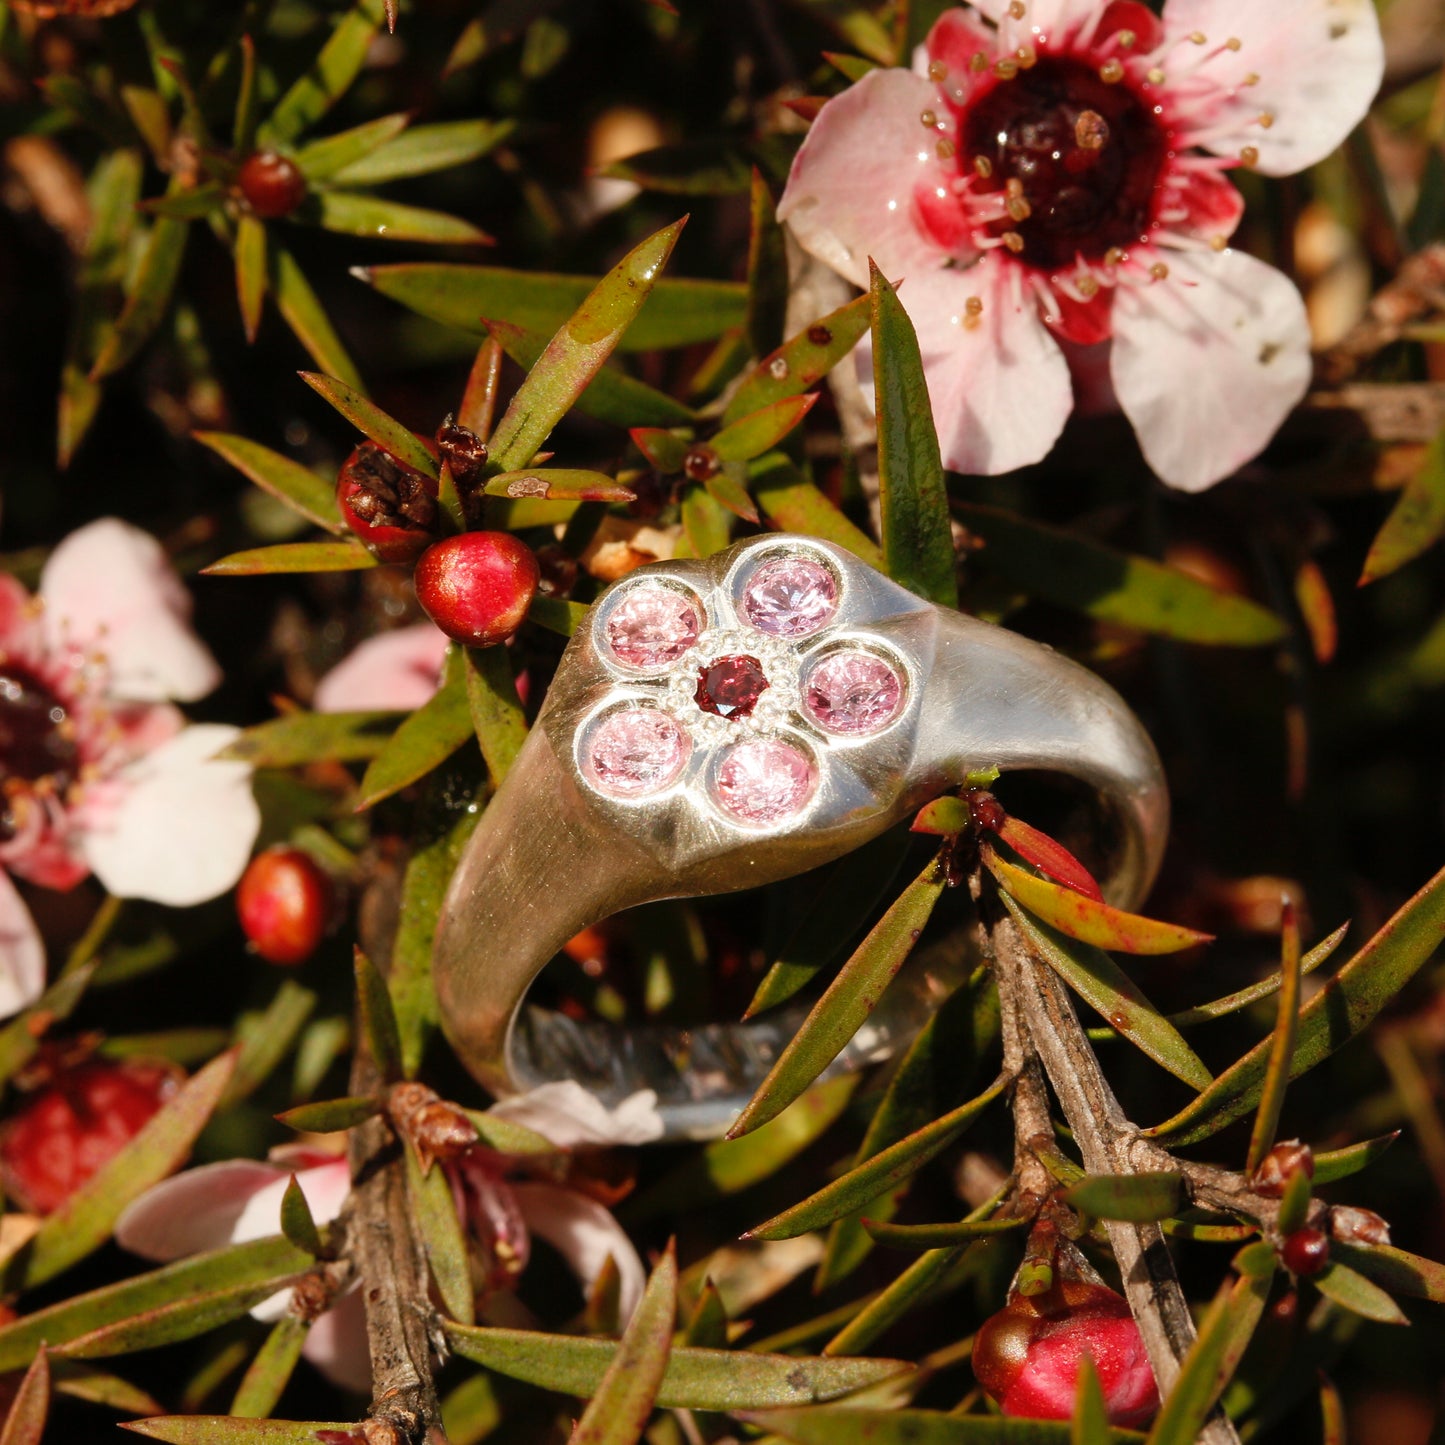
pixel 764 780
pixel 631 754
pixel 853 692
pixel 731 686
pixel 653 626
pixel 790 597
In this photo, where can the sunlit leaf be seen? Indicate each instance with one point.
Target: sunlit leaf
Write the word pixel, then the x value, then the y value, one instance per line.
pixel 939 1236
pixel 377 1019
pixel 788 499
pixel 1417 521
pixel 25 1424
pixel 767 275
pixel 727 487
pixel 1396 1270
pixel 1243 998
pixel 250 272
pixel 705 525
pixel 326 1116
pixel 329 76
pixel 1049 857
pixel 299 487
pixel 231 1430
pixel 497 716
pixel 322 159
pixel 843 1425
pixel 342 555
pixel 308 737
pixel 1333 1164
pixel 752 435
pixel 371 421
pixel 359 213
pixel 1277 1069
pixel 426 148
pixel 559 484
pixel 424 741
pixel 1358 1294
pixel 665 450
pixel 307 318
pixel 270 1372
pixel 1139 1197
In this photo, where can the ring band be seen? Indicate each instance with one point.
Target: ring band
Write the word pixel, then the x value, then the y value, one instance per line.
pixel 724 723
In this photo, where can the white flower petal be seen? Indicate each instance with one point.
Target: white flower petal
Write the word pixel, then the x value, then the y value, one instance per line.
pixel 22 954
pixel 393 671
pixel 337 1344
pixel 182 824
pixel 196 1210
pixel 109 587
pixel 584 1234
pixel 1208 364
pixel 1319 64
pixel 850 193
pixel 569 1116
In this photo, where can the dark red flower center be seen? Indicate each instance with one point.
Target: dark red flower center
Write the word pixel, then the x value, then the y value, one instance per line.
pixel 34 740
pixel 1077 159
pixel 731 686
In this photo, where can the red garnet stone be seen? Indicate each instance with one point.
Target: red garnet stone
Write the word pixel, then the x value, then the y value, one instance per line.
pixel 731 686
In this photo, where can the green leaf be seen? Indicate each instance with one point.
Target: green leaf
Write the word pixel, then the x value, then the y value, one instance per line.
pixel 329 76
pixel 230 1430
pixel 339 556
pixel 25 1423
pixel 322 159
pixel 1361 1296
pixel 847 1001
pixel 1078 916
pixel 866 1181
pixel 265 1039
pixel 1141 1198
pixel 576 353
pixel 506 1136
pixel 1067 569
pixel 945 817
pixel 796 505
pixel 1212 1360
pixel 359 213
pixel 269 1373
pixel 251 272
pixel 705 525
pixel 1090 1425
pixel 95 1386
pixel 917 532
pixel 559 484
pixel 307 318
pixel 424 741
pixel 939 1236
pixel 327 1116
pixel 677 313
pixel 802 361
pixel 556 614
pixel 1343 1007
pixel 857 24
pixel 266 1264
pixel 665 450
pixel 1396 1270
pixel 308 737
pixel 1281 1051
pixel 708 1327
pixel 1336 1164
pixel 767 271
pixel 20 1037
pixel 147 296
pixel 1109 991
pixel 623 1403
pixel 84 1222
pixel 289 482
pixel 378 1021
pixel 695 1379
pixel 424 149
pixel 497 716
pixel 296 1222
pixel 706 167
pixel 434 1210
pixel 842 1425
pixel 728 487
pixel 760 431
pixel 371 421
pixel 1417 521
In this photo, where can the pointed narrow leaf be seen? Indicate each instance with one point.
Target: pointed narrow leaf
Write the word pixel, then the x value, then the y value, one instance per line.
pixel 497 716
pixel 559 484
pixel 329 76
pixel 1358 1294
pixel 708 1327
pixel 917 532
pixel 728 488
pixel 576 353
pixel 705 525
pixel 378 1021
pixel 479 399
pixel 939 1236
pixel 322 159
pixel 677 313
pixel 328 1116
pixel 1276 1075
pixel 358 213
pixel 760 431
pixel 845 1425
pixel 339 556
pixel 296 1222
pixel 264 1039
pixel 942 818
pixel 885 1169
pixel 1417 521
pixel 506 1136
pixel 424 741
pixel 1243 998
pixel 229 1430
pixel 1049 857
pixel 1317 608
pixel 619 1411
pixel 99 1387
pixel 269 1373
pixel 767 271
pixel 1065 568
pixel 425 148
pixel 1335 1164
pixel 1109 991
pixel 847 1001
pixel 1396 1270
pixel 434 1210
pixel 25 1423
pixel 1090 1425
pixel 371 421
pixel 556 614
pixel 289 482
pixel 696 1379
pixel 1209 1366
pixel 308 737
pixel 1141 1198
pixel 251 272
pixel 1085 918
pixel 84 1222
pixel 796 505
pixel 1343 1007
pixel 147 297
pixel 307 318
pixel 664 449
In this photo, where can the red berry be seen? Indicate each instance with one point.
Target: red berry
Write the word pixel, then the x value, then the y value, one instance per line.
pixel 69 1128
pixel 284 903
pixel 272 185
pixel 1027 1356
pixel 477 586
pixel 390 507
pixel 1306 1251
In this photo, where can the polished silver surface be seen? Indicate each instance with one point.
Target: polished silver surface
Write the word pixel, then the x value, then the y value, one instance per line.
pixel 554 852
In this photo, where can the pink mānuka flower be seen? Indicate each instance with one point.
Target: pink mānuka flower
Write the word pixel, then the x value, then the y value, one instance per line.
pixel 99 773
pixel 1052 177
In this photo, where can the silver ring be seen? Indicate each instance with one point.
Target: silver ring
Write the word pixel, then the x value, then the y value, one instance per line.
pixel 721 724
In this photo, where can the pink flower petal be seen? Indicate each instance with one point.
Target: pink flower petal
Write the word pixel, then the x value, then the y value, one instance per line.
pixel 337 1344
pixel 1208 363
pixel 1319 64
pixel 957 36
pixel 569 1116
pixel 393 671
pixel 196 1210
pixel 109 587
pixel 181 826
pixel 14 605
pixel 22 954
pixel 584 1234
pixel 849 195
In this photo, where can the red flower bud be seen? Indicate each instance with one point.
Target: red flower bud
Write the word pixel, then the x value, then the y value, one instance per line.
pixel 390 507
pixel 75 1124
pixel 272 185
pixel 1306 1251
pixel 1027 1356
pixel 1280 1165
pixel 284 903
pixel 477 586
pixel 1358 1226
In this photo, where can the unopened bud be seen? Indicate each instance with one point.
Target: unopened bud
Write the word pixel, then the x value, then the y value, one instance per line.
pixel 1280 1165
pixel 433 1127
pixel 1351 1225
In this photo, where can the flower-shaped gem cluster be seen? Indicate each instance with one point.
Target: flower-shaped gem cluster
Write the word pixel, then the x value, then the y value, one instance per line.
pixel 745 690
